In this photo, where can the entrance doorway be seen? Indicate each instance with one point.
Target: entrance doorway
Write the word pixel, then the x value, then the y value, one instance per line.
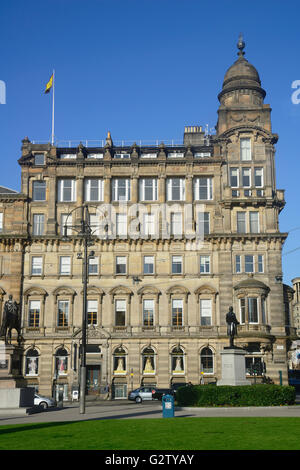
pixel 93 379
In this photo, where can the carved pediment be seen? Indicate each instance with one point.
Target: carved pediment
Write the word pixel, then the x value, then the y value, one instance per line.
pixel 38 291
pixel 92 332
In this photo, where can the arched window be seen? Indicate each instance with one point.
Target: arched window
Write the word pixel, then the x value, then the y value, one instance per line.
pixel 177 360
pixel 61 365
pixel 207 361
pixel 32 362
pixel 148 361
pixel 120 361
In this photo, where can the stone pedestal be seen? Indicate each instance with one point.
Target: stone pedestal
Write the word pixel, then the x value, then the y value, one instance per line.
pixel 14 397
pixel 233 367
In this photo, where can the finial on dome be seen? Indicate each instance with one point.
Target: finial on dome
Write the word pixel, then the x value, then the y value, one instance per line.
pixel 241 45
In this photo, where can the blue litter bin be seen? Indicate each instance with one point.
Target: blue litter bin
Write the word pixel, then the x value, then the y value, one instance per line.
pixel 168 406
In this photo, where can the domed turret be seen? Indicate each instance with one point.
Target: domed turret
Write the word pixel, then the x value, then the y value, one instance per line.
pixel 241 75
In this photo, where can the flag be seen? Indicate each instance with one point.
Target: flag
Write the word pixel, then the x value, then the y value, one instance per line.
pixel 49 84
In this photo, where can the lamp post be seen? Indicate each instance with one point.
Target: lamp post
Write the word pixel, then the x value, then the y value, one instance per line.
pixel 85 232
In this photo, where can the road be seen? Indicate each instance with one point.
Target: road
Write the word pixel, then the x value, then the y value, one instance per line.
pixel 124 409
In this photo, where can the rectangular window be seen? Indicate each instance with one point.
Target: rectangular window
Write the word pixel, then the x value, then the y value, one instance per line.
pixel 121 264
pixel 203 223
pixel 203 189
pixel 38 224
pixel 39 191
pixel 120 312
pixel 93 266
pixel 94 190
pixel 252 310
pixel 258 177
pixel 254 222
pixel 238 268
pixel 176 264
pixel 149 227
pixel 148 264
pixel 122 155
pixel 1 221
pixel 121 225
pixel 65 265
pixel 175 189
pixel 177 312
pixel 241 222
pixel 149 155
pixel 39 159
pixel 94 221
pixel 243 310
pixel 66 190
pixel 249 264
pixel 34 313
pixel 148 312
pixel 175 154
pixel 65 221
pixel 121 189
pixel 36 266
pixel 260 263
pixel 92 312
pixel 148 189
pixel 204 264
pixel 176 224
pixel 263 310
pixel 63 313
pixel 245 149
pixel 234 177
pixel 205 312
pixel 246 177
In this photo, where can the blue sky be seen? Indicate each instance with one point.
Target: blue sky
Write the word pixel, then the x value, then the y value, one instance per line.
pixel 144 69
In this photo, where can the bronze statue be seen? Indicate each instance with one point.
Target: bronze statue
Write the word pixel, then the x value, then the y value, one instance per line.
pixel 11 319
pixel 232 323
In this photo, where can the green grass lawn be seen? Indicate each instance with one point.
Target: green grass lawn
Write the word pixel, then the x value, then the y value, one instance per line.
pixel 156 434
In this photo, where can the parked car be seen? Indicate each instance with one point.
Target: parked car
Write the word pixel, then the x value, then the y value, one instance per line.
pixel 142 393
pixel 44 402
pixel 176 386
pixel 160 392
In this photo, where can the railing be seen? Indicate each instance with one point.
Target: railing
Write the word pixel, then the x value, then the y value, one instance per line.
pixel 89 143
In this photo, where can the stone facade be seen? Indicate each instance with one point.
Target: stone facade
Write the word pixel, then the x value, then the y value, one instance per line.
pixel 157 301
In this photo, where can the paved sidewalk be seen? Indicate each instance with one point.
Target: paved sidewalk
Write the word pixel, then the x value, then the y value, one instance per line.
pixel 130 410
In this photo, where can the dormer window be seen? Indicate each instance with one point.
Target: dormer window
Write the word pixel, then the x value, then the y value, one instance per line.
pixel 122 155
pixel 39 159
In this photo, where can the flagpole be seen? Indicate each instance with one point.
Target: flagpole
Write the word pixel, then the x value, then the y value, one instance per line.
pixel 52 136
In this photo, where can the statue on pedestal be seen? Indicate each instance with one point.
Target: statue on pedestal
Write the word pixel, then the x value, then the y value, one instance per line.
pixel 10 319
pixel 232 323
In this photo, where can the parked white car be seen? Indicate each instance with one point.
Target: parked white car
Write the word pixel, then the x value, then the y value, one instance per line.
pixel 44 402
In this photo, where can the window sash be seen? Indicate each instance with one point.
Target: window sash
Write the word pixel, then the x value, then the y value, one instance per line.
pixel 203 223
pixel 148 312
pixel 39 191
pixel 149 224
pixel 245 148
pixel 64 219
pixel 176 189
pixel 252 310
pixel 94 190
pixel 260 263
pixel 34 313
pixel 36 265
pixel 92 312
pixel 148 264
pixel 176 264
pixel 176 223
pixel 246 177
pixel 120 312
pixel 205 312
pixel 258 177
pixel 94 265
pixel 65 265
pixel 121 189
pixel 238 268
pixel 234 177
pixel 121 224
pixel 63 313
pixel 177 312
pixel 241 222
pixel 66 190
pixel 121 262
pixel 148 189
pixel 38 224
pixel 203 189
pixel 204 264
pixel 249 264
pixel 254 222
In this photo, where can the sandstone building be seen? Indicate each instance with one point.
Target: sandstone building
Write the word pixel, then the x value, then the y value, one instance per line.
pixel 208 238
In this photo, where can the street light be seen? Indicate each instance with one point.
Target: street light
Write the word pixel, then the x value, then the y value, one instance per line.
pixel 85 232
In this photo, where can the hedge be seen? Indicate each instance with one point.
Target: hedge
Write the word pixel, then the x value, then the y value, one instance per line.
pixel 246 395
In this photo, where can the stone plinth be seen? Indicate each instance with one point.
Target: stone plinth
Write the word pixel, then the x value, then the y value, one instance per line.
pixel 233 367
